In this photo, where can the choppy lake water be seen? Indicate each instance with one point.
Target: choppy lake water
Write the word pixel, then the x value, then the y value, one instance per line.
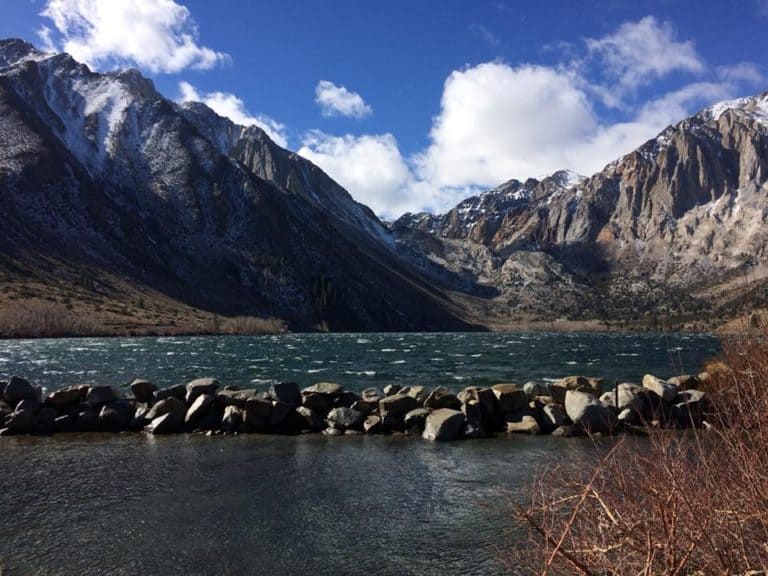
pixel 132 504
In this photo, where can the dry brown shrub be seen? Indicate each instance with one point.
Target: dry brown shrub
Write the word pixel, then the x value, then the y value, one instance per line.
pixel 45 320
pixel 675 503
pixel 251 325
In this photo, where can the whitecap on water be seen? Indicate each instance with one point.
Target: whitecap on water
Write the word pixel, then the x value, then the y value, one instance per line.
pixel 388 350
pixel 398 362
pixel 360 372
pixel 572 363
pixel 316 370
pixel 362 341
pixel 475 355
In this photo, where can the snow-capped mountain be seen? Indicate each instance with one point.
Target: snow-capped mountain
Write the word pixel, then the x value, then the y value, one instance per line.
pixel 662 230
pixel 99 172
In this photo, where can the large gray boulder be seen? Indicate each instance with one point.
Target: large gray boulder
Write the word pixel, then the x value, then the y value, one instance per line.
pixel 416 418
pixel 286 392
pixel 233 417
pixel 142 390
pixel 444 425
pixel 97 396
pixel 625 396
pixel 535 389
pixel 169 405
pixel 116 415
pixel 19 389
pixel 441 397
pixel 685 382
pixel 509 397
pixel 200 386
pixel 552 417
pixel 486 398
pixel 392 389
pixel 21 422
pixel 419 392
pixel 178 391
pixel 522 422
pixel 689 408
pixel 473 423
pixel 168 423
pixel 588 412
pixel 235 397
pixel 67 396
pixel 397 405
pixel 199 408
pixel 256 409
pixel 325 388
pixel 87 420
pixel 318 403
pixel 310 420
pixel 559 387
pixel 345 418
pixel 661 388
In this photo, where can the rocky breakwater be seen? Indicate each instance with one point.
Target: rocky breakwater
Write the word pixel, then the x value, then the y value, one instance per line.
pixel 571 406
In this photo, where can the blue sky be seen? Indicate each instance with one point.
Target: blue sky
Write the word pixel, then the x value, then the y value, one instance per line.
pixel 415 104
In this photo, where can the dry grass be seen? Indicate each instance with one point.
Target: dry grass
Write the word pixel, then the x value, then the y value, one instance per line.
pixel 45 320
pixel 672 504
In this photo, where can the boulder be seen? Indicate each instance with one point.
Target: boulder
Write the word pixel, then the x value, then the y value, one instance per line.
pixel 29 404
pixel 559 387
pixel 419 392
pixel 473 423
pixel 392 389
pixel 397 405
pixel 318 403
pixel 97 396
pixel 588 412
pixel 552 417
pixel 211 420
pixel 310 420
pixel 689 408
pixel 178 391
pixel 5 409
pixel 116 415
pixel 87 420
pixel 486 398
pixel 685 382
pixel 21 422
pixel 199 408
pixel 168 423
pixel 345 400
pixel 416 418
pixel 142 390
pixel 230 397
pixel 509 398
pixel 168 405
pixel 371 395
pixel 139 419
pixel 19 389
pixel 372 425
pixel 534 389
pixel 257 409
pixel 3 384
pixel 523 422
pixel 566 432
pixel 661 388
pixel 67 396
pixel 280 412
pixel 345 418
pixel 286 392
pixel 325 388
pixel 629 417
pixel 233 417
pixel 364 407
pixel 442 398
pixel 200 386
pixel 625 396
pixel 331 431
pixel 444 425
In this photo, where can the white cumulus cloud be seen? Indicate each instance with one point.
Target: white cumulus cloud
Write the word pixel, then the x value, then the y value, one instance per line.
pixel 338 101
pixel 230 106
pixel 640 52
pixel 156 35
pixel 370 167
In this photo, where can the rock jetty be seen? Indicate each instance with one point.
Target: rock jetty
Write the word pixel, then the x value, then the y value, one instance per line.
pixel 571 406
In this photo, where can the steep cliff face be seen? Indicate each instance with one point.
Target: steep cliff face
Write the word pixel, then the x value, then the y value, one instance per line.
pixel 99 170
pixel 681 214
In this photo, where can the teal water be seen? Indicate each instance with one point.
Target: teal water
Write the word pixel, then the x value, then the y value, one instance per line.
pixel 356 360
pixel 125 504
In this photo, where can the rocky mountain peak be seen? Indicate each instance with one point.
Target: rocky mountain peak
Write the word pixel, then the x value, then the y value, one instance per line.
pixel 14 50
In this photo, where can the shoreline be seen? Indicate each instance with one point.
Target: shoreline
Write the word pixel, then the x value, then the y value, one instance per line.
pixel 568 407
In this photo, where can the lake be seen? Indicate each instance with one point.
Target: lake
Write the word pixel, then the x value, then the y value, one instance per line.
pixel 136 504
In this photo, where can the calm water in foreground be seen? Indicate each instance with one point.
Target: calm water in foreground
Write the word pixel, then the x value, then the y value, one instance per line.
pixel 130 504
